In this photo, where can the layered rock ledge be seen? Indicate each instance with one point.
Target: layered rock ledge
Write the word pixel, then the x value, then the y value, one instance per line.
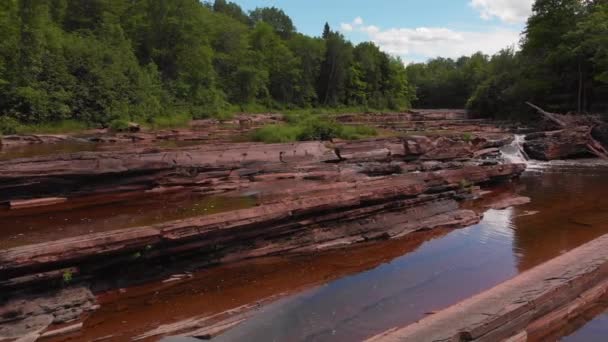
pixel 355 212
pixel 311 196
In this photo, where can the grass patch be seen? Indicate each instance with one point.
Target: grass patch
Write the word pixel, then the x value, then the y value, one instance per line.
pixel 276 134
pixel 308 127
pixel 59 127
pixel 170 121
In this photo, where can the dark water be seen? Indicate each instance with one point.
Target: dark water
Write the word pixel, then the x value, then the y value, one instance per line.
pixel 594 331
pixel 590 326
pixel 356 293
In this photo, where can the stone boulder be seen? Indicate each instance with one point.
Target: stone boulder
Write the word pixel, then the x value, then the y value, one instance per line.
pixel 564 144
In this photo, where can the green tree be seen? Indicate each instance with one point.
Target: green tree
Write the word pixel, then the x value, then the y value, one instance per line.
pixel 232 10
pixel 276 18
pixel 334 69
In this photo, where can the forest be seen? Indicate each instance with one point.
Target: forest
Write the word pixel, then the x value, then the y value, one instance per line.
pixel 96 61
pixel 562 65
pixel 99 61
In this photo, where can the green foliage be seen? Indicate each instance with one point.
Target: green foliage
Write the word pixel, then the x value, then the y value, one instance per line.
pixel 8 125
pixel 67 276
pixel 467 137
pixel 171 121
pixel 57 127
pixel 309 127
pixel 562 66
pixel 119 125
pixel 100 61
pixel 276 134
pixel 276 18
pixel 447 83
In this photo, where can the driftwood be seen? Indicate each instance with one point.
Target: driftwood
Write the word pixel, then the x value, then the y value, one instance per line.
pixel 592 145
pixel 550 116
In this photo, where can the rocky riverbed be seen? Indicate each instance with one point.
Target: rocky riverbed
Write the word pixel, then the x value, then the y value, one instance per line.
pixel 303 198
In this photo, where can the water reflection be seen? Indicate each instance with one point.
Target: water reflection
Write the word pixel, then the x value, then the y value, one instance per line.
pixel 356 293
pixel 125 314
pixel 571 204
pixel 589 326
pixel 402 291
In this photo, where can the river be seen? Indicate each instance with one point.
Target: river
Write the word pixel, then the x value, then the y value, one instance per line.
pixel 355 293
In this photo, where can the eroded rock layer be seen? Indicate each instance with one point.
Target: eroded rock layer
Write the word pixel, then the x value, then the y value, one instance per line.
pixel 310 196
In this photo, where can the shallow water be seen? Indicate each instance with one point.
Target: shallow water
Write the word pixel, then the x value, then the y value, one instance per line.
pixel 569 203
pixel 356 293
pixel 28 226
pixel 595 330
pixel 39 150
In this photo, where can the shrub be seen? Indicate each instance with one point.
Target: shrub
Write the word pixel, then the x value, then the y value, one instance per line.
pixel 119 125
pixel 357 132
pixel 307 127
pixel 276 134
pixel 57 127
pixel 67 277
pixel 316 129
pixel 171 121
pixel 8 125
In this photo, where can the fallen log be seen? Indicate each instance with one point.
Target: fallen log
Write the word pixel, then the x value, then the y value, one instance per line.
pixel 579 130
pixel 550 116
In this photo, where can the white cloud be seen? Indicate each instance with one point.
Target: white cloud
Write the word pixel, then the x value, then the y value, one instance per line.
pixel 348 27
pixel 371 29
pixel 430 42
pixel 510 11
pixel 344 27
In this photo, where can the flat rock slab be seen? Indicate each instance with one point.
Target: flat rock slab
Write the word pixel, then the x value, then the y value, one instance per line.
pixel 510 308
pixel 509 202
pixel 30 316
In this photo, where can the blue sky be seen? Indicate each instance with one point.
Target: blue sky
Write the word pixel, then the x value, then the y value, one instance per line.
pixel 413 29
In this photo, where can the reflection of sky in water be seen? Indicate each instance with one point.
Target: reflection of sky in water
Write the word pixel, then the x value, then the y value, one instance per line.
pixel 439 273
pixel 594 331
pixel 568 200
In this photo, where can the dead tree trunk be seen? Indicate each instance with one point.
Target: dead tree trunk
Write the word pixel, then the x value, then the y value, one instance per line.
pixel 592 145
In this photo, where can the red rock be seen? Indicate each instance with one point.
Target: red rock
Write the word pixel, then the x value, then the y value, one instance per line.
pixel 287 218
pixel 38 202
pixel 509 202
pixel 564 144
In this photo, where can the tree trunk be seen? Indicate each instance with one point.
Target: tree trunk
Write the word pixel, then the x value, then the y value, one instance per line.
pixel 580 88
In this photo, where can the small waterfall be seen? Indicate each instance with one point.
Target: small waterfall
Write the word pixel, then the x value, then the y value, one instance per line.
pixel 514 152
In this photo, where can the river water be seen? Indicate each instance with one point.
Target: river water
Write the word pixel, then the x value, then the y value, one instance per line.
pixel 356 293
pixel 567 210
pixel 349 294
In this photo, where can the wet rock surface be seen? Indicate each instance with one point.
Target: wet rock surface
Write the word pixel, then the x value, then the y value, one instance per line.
pixel 312 196
pixel 554 145
pixel 31 315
